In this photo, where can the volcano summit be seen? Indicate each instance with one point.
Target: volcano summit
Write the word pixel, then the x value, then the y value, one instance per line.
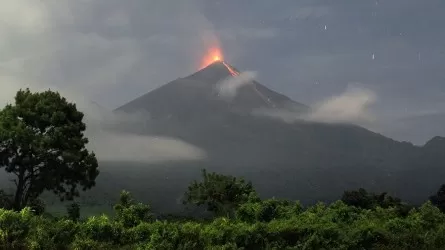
pixel 308 161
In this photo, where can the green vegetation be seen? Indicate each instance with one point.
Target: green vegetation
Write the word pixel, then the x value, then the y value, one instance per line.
pixel 261 224
pixel 221 194
pixel 42 144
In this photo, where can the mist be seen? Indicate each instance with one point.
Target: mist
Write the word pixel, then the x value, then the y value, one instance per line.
pixel 352 106
pixel 110 141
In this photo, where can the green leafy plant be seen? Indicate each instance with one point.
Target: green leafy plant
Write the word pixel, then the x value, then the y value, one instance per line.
pixel 42 144
pixel 220 194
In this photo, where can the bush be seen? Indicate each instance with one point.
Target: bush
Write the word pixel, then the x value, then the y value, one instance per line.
pixel 129 212
pixel 268 224
pixel 14 228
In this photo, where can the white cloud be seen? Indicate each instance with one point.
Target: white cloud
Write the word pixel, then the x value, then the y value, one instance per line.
pixel 352 106
pixel 113 146
pixel 229 87
pixel 109 142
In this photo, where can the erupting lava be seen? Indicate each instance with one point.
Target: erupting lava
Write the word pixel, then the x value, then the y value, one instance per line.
pixel 213 55
pixel 232 71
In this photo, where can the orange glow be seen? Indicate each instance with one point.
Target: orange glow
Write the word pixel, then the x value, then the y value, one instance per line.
pixel 232 71
pixel 213 55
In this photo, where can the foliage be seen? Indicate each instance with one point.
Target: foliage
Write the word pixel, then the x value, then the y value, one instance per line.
pixel 43 145
pixel 73 211
pixel 37 206
pixel 439 198
pixel 14 228
pixel 220 194
pixel 259 224
pixel 129 212
pixel 363 199
pixel 5 200
pixel 267 210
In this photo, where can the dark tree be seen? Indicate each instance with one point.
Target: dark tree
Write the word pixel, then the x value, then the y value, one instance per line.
pixel 439 198
pixel 5 200
pixel 37 206
pixel 358 198
pixel 73 211
pixel 42 143
pixel 221 194
pixel 367 200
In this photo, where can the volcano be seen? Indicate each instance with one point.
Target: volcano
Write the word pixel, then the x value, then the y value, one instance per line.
pixel 302 160
pixel 200 95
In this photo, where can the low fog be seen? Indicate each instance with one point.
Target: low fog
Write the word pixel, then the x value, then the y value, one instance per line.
pixel 110 142
pixel 352 106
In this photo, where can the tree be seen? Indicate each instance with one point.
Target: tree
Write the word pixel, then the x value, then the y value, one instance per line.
pixel 37 206
pixel 42 143
pixel 367 200
pixel 5 200
pixel 220 194
pixel 73 211
pixel 439 198
pixel 129 212
pixel 358 198
pixel 267 210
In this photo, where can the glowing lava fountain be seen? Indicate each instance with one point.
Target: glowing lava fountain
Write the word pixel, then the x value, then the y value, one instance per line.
pixel 213 55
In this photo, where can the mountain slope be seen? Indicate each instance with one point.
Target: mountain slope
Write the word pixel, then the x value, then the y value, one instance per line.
pixel 302 160
pixel 198 94
pixel 418 128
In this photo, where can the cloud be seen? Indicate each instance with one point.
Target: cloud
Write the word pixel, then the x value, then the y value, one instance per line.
pixel 229 87
pixel 112 51
pixel 107 50
pixel 110 142
pixel 104 51
pixel 352 106
pixel 247 33
pixel 302 13
pixel 114 146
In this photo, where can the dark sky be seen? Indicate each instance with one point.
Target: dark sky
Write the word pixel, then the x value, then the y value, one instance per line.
pixel 111 51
